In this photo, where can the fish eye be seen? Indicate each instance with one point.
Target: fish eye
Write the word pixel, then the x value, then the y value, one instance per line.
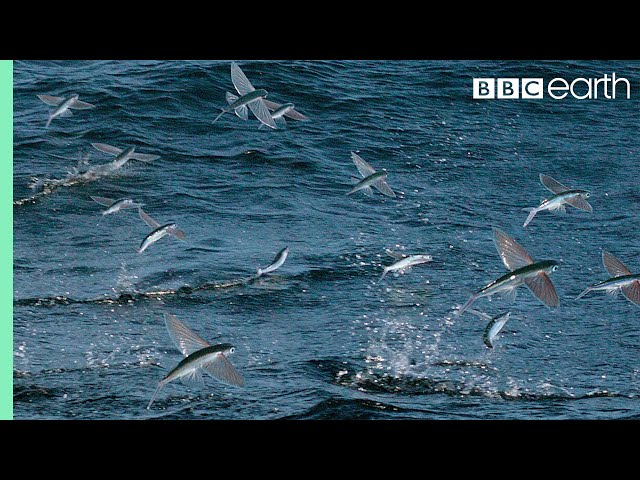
pixel 555 267
pixel 232 349
pixel 587 194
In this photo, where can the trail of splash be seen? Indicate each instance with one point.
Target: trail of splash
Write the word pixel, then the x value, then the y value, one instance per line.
pixel 130 297
pixel 46 186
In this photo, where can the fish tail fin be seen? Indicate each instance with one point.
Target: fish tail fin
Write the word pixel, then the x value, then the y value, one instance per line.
pixel 153 397
pixel 532 213
pixel 221 113
pixel 48 121
pixel 258 272
pixel 583 293
pixel 384 274
pixel 467 305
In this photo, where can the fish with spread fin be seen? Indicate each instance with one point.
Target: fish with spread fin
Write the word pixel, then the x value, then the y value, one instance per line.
pixel 523 269
pixel 128 154
pixel 63 105
pixel 114 206
pixel 562 196
pixel 621 280
pixel 371 178
pixel 289 112
pixel 249 97
pixel 158 232
pixel 199 355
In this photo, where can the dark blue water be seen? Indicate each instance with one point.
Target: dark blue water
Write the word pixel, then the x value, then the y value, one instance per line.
pixel 320 337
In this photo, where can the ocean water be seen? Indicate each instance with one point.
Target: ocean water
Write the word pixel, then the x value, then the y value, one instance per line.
pixel 321 338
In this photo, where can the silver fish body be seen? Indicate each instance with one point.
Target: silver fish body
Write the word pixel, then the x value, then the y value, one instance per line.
pixel 277 262
pixel 493 328
pixel 612 285
pixel 157 234
pixel 368 181
pixel 406 263
pixel 282 110
pixel 121 205
pixel 62 108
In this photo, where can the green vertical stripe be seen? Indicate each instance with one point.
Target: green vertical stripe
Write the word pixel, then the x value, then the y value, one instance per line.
pixel 6 245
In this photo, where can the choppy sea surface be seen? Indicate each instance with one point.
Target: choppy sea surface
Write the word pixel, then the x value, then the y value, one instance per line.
pixel 321 337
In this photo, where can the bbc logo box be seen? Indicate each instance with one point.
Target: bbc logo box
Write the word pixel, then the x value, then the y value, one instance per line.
pixel 507 88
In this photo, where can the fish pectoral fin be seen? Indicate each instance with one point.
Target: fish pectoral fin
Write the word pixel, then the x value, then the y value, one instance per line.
pixel 66 113
pixel 632 292
pixel 51 100
pixel 240 80
pixel 104 201
pixel 541 286
pixel 144 157
pixel 580 203
pixel 552 185
pixel 363 167
pixel 185 339
pixel 367 191
pixel 176 232
pixel 384 188
pixel 80 105
pixel 262 113
pixel 614 266
pixel 295 115
pixel 147 219
pixel 512 254
pixel 222 370
pixel 396 255
pixel 103 147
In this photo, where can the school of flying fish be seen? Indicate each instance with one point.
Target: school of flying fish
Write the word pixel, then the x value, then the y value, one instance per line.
pixel 200 355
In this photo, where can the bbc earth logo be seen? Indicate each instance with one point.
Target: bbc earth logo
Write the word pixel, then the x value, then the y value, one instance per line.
pixel 581 88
